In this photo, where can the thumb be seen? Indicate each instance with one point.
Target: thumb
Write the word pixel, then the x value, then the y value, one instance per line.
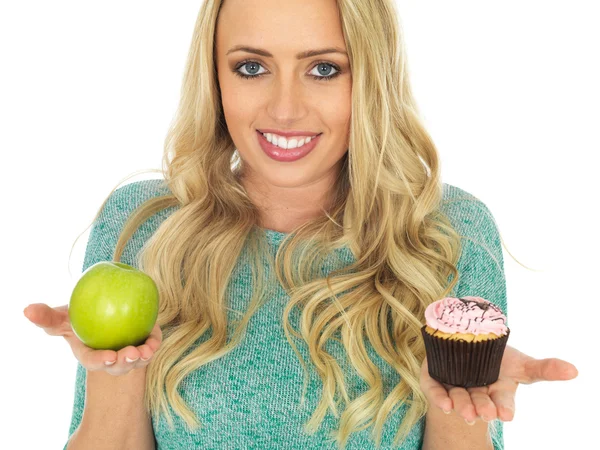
pixel 50 319
pixel 548 369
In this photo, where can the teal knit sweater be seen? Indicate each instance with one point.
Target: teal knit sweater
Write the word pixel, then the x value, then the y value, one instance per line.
pixel 250 398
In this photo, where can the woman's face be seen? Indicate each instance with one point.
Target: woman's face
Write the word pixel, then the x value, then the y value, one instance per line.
pixel 287 93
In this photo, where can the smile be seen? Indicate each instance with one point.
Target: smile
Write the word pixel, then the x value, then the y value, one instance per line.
pixel 288 155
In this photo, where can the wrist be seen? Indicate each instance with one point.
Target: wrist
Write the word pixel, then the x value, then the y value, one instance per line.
pixel 452 432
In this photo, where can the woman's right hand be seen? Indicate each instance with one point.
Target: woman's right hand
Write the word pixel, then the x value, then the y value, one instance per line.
pixel 55 322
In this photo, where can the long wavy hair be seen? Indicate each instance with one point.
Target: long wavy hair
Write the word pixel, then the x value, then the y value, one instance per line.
pixel 385 209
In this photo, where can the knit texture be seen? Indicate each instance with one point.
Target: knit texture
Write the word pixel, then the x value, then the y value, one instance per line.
pixel 250 398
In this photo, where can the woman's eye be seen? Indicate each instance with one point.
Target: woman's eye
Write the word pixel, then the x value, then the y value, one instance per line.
pixel 323 70
pixel 326 67
pixel 251 67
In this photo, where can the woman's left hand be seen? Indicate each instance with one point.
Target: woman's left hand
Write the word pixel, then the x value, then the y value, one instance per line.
pixel 497 400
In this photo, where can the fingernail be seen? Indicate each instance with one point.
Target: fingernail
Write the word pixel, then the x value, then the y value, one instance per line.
pixel 130 360
pixel 144 359
pixel 446 411
pixel 469 422
pixel 109 363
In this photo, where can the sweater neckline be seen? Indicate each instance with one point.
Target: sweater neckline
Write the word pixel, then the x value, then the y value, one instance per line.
pixel 275 237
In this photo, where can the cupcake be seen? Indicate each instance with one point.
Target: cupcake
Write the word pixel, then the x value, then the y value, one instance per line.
pixel 464 339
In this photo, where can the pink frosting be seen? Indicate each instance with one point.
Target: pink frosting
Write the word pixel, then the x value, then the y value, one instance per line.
pixel 473 315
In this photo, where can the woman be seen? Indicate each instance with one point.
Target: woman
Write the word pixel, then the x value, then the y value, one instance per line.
pixel 293 283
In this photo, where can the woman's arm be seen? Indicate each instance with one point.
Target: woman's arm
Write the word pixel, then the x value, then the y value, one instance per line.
pixel 108 410
pixel 481 268
pixel 451 432
pixel 114 416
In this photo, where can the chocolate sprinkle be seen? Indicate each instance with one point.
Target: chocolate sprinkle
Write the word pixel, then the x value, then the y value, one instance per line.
pixel 481 305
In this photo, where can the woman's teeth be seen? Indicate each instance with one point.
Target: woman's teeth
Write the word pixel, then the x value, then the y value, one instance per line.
pixel 286 144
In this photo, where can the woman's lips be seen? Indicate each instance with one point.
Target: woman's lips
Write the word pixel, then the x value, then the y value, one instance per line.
pixel 283 155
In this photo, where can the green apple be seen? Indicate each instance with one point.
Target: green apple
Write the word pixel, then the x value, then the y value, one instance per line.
pixel 113 305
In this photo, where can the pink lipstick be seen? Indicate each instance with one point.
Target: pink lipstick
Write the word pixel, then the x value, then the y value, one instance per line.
pixel 283 155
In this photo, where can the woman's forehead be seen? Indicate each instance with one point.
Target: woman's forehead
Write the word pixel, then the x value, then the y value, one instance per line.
pixel 293 25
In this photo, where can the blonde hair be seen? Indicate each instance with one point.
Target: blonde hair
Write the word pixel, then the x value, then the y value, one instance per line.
pixel 385 209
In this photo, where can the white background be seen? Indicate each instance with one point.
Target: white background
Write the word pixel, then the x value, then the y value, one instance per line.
pixel 508 90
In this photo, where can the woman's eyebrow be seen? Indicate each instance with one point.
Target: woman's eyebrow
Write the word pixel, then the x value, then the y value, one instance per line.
pixel 301 55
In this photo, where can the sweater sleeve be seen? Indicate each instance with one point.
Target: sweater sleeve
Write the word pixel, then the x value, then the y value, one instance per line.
pixel 100 247
pixel 481 269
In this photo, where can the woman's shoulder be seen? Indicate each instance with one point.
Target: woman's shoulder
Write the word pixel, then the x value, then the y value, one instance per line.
pixel 472 219
pixel 137 192
pixel 463 207
pixel 117 209
pixel 127 198
pixel 481 263
pixel 453 194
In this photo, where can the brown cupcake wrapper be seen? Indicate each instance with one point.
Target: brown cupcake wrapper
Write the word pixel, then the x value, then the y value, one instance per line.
pixel 461 363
